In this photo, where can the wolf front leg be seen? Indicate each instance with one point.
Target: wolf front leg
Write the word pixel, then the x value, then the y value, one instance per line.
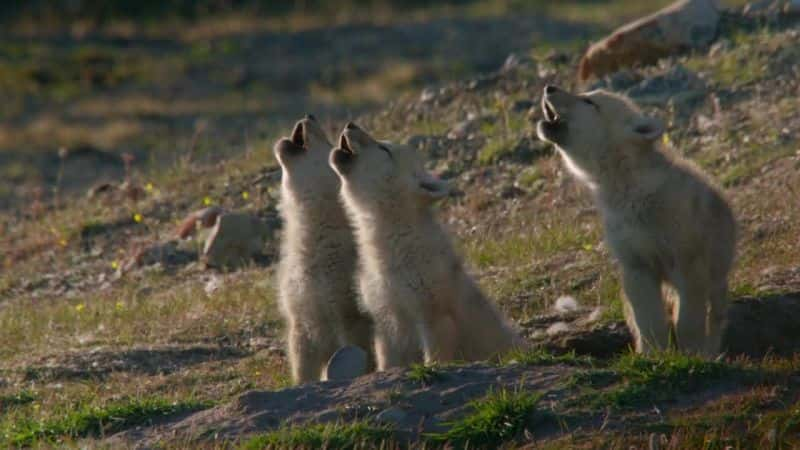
pixel 644 310
pixel 311 343
pixel 397 343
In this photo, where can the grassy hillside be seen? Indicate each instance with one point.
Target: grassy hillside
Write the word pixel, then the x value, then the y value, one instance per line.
pixel 89 349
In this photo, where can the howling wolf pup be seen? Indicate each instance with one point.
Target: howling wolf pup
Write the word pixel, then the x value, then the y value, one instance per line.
pixel 664 220
pixel 316 276
pixel 423 303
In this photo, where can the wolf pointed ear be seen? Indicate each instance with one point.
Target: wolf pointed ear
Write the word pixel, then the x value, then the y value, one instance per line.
pixel 431 187
pixel 648 128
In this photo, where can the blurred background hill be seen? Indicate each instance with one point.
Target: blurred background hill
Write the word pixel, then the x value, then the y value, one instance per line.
pixel 121 119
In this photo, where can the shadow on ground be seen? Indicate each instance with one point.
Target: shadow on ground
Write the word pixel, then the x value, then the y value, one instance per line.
pixel 99 364
pixel 757 327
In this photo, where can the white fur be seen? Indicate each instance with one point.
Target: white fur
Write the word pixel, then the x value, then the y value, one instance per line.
pixel 318 261
pixel 425 306
pixel 665 222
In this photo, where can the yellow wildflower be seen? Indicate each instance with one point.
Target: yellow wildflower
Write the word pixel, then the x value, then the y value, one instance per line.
pixel 245 195
pixel 206 200
pixel 137 218
pixel 80 307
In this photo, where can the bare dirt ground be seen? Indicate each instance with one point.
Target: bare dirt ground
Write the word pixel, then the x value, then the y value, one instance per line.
pixel 86 335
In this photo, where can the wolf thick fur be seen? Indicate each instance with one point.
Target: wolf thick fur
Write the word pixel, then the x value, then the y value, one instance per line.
pixel 424 305
pixel 665 222
pixel 316 276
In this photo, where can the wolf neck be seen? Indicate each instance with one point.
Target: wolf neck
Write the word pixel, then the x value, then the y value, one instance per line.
pixel 310 224
pixel 628 175
pixel 388 239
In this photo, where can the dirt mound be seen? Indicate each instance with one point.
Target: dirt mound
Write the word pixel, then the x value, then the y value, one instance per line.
pixel 756 327
pixel 425 400
pixel 415 407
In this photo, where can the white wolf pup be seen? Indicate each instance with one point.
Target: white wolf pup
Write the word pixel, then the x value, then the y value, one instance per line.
pixel 316 276
pixel 665 222
pixel 423 303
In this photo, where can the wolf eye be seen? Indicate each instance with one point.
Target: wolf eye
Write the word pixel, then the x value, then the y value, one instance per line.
pixel 589 101
pixel 386 149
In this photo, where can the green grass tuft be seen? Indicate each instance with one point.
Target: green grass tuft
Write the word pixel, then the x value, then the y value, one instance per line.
pixel 329 436
pixel 496 419
pixel 22 397
pixel 542 357
pixel 424 374
pixel 654 379
pixel 94 421
pixel 494 151
pixel 520 248
pixel 531 178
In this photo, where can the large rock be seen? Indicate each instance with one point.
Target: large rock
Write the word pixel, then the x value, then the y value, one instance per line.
pixel 235 239
pixel 684 25
pixel 203 218
pixel 168 254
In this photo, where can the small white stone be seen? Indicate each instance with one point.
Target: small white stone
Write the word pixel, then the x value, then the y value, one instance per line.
pixel 427 95
pixel 566 304
pixel 212 285
pixel 558 328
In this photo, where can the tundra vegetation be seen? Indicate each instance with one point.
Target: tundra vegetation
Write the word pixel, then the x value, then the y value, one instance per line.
pixel 97 339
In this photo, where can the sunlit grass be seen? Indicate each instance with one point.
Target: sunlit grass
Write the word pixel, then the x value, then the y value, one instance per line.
pixel 339 436
pixel 642 379
pixel 123 316
pixel 91 420
pixel 539 241
pixel 496 419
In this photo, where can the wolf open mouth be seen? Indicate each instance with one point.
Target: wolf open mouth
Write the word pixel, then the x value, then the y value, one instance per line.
pixel 344 145
pixel 298 138
pixel 343 156
pixel 550 114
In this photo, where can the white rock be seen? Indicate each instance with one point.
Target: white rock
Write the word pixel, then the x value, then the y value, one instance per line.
pixel 566 304
pixel 212 285
pixel 235 239
pixel 681 25
pixel 428 95
pixel 347 363
pixel 557 328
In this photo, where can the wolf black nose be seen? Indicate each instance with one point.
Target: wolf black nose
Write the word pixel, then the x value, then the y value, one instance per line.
pixel 351 126
pixel 311 117
pixel 550 89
